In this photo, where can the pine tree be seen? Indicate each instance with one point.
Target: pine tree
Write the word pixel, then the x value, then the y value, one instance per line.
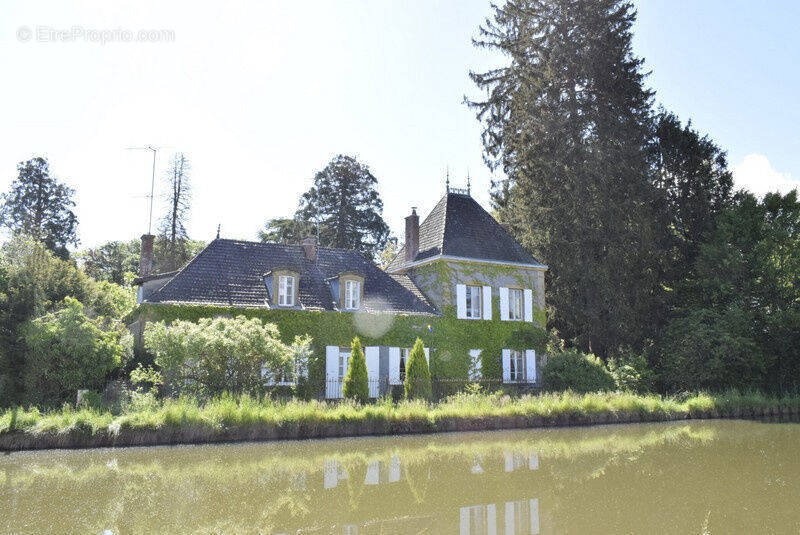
pixel 286 231
pixel 568 120
pixel 356 383
pixel 40 206
pixel 344 203
pixel 171 246
pixel 417 384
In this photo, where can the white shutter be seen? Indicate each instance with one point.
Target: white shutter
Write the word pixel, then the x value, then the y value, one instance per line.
pixel 394 469
pixel 394 366
pixel 331 473
pixel 530 365
pixel 506 365
pixel 428 356
pixel 533 461
pixel 331 372
pixel 463 516
pixel 534 505
pixel 487 302
pixel 528 293
pixel 461 301
pixel 491 519
pixel 373 475
pixel 510 527
pixel 504 304
pixel 509 461
pixel 372 356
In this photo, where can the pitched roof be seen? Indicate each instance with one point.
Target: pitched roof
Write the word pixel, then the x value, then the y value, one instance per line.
pixel 231 273
pixel 458 226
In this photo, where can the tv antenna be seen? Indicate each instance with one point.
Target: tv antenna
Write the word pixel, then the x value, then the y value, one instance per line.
pixel 154 150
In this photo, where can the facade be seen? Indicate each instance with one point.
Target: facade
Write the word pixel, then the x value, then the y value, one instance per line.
pixel 461 283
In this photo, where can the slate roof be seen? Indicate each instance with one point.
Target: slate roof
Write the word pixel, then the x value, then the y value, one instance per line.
pixel 459 226
pixel 231 273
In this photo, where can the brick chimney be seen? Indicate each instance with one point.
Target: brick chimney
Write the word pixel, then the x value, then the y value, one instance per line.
pixel 310 248
pixel 146 258
pixel 412 235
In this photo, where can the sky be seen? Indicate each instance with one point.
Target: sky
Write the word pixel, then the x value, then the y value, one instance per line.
pixel 261 95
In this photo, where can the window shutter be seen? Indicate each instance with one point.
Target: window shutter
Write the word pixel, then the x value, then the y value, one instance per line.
pixel 487 302
pixel 461 301
pixel 331 371
pixel 530 365
pixel 506 365
pixel 509 461
pixel 533 461
pixel 491 519
pixel 428 356
pixel 534 507
pixel 511 528
pixel 504 304
pixel 528 293
pixel 394 366
pixel 394 469
pixel 372 356
pixel 373 473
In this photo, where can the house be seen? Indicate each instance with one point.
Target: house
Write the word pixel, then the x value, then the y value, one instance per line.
pixel 461 283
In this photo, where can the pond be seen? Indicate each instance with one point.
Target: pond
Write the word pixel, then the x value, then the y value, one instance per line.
pixel 685 477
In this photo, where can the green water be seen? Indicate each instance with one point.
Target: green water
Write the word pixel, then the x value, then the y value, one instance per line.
pixel 698 477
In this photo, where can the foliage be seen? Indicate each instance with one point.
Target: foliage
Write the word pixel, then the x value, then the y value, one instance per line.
pixel 216 355
pixel 286 231
pixel 631 371
pixel 735 320
pixel 692 174
pixel 388 253
pixel 172 242
pixel 224 413
pixel 417 384
pixel 568 120
pixel 576 371
pixel 146 379
pixel 68 351
pixel 111 261
pixel 40 206
pixel 345 204
pixel 356 384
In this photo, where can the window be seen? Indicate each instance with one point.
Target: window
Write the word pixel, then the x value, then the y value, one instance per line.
pixel 474 302
pixel 344 358
pixel 286 290
pixel 352 294
pixel 517 363
pixel 404 352
pixel 515 301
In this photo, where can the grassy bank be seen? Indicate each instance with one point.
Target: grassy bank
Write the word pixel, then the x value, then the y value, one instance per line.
pixel 183 421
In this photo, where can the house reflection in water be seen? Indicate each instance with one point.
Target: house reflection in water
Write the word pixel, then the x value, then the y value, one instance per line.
pixel 498 478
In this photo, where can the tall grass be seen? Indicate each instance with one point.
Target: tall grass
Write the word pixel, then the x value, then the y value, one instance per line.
pixel 241 413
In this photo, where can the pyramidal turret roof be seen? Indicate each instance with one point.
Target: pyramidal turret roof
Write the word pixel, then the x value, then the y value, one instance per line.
pixel 459 227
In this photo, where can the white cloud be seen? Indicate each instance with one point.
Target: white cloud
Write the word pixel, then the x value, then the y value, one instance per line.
pixel 756 174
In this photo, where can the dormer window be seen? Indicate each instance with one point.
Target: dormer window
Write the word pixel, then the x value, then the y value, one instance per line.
pixel 352 294
pixel 286 290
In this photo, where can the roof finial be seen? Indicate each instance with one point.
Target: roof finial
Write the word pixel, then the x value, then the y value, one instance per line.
pixel 219 226
pixel 468 186
pixel 447 180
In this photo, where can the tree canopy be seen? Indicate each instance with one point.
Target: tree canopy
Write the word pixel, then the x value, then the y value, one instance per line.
pixel 40 206
pixel 345 204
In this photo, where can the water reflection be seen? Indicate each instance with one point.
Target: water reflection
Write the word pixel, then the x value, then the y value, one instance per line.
pixel 683 477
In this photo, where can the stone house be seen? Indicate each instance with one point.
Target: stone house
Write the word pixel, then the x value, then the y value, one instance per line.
pixel 461 283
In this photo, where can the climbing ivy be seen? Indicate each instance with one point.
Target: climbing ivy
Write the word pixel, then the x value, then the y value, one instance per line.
pixel 450 338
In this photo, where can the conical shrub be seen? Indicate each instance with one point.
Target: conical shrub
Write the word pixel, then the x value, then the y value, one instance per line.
pixel 418 375
pixel 356 384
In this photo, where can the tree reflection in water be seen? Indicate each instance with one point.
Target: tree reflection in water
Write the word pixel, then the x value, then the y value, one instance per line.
pixel 654 477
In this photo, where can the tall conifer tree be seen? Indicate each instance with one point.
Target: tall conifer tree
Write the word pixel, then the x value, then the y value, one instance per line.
pixel 568 120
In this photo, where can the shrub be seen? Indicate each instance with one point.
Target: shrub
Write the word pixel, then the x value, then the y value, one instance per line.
pixel 631 371
pixel 356 384
pixel 68 351
pixel 418 375
pixel 216 355
pixel 572 370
